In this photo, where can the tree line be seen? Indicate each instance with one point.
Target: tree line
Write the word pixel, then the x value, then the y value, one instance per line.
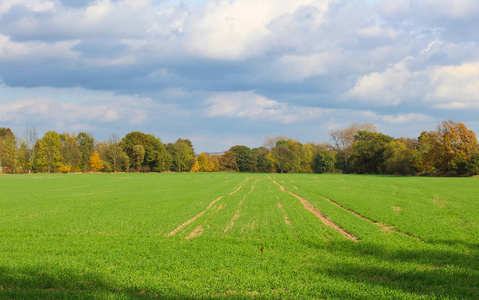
pixel 450 149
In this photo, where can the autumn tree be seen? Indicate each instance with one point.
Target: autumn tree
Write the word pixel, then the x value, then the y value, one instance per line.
pixel 205 163
pixel 50 151
pixel 9 152
pixel 449 148
pixel 95 162
pixel 227 161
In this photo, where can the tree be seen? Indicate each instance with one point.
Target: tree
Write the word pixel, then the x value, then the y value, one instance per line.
pixel 261 160
pixel 343 141
pixel 138 156
pixel 227 161
pixel 447 149
pixel 287 156
pixel 398 158
pixel 324 161
pixel 196 167
pixel 10 154
pixel 155 158
pixel 50 151
pixel 70 151
pixel 30 139
pixel 86 145
pixel 205 163
pixel 367 152
pixel 113 155
pixel 182 154
pixel 243 157
pixel 95 162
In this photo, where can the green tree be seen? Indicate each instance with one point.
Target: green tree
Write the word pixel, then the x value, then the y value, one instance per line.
pixel 50 151
pixel 243 157
pixel 86 145
pixel 137 157
pixel 287 156
pixel 398 158
pixel 261 160
pixel 113 156
pixel 324 161
pixel 155 158
pixel 70 151
pixel 182 154
pixel 367 155
pixel 343 141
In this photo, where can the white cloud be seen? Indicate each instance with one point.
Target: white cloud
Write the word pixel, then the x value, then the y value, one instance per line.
pixel 389 87
pixel 454 86
pixel 250 105
pixel 32 51
pixel 234 29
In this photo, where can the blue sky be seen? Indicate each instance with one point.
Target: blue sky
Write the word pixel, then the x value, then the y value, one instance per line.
pixel 229 72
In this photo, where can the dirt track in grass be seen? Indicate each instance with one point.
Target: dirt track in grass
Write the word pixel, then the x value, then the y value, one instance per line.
pixel 325 219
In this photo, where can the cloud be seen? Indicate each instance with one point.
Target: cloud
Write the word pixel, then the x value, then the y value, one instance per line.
pixel 46 110
pixel 442 87
pixel 232 30
pixel 249 105
pixel 34 51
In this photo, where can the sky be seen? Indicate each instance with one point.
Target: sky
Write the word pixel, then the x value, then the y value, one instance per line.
pixel 233 72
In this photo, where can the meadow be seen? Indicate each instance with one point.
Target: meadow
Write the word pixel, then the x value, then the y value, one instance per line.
pixel 231 235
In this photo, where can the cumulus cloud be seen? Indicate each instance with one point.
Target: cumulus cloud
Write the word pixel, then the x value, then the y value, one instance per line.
pixel 250 105
pixel 235 29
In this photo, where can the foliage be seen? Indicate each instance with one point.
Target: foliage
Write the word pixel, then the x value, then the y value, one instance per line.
pixel 367 152
pixel 447 149
pixel 343 140
pixel 205 163
pixel 243 158
pixel 95 162
pixel 50 151
pixel 155 152
pixel 324 161
pixel 86 145
pixel 182 155
pixel 398 158
pixel 64 168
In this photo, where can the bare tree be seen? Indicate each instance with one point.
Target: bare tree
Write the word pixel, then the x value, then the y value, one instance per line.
pixel 30 137
pixel 270 141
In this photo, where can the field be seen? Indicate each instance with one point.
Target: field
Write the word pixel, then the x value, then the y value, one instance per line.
pixel 222 235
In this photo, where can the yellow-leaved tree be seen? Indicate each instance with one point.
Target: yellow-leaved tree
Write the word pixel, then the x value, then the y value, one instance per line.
pixel 95 162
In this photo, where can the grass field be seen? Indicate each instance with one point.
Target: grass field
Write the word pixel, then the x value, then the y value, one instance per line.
pixel 221 235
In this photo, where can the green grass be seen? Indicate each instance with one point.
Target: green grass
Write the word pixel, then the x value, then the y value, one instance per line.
pixel 109 236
